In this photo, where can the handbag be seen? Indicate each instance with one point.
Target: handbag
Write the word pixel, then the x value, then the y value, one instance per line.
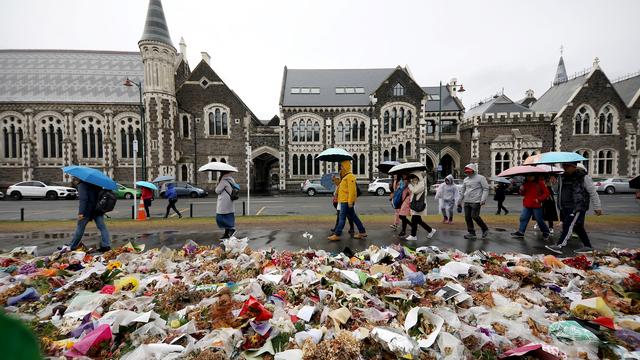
pixel 418 204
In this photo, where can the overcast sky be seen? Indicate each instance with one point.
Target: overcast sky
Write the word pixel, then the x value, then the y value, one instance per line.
pixel 487 45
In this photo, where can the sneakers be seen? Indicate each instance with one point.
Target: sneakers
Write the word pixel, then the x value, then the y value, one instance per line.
pixel 550 230
pixel 485 233
pixel 583 250
pixel 555 248
pixel 360 236
pixel 334 237
pixel 411 238
pixel 450 222
pixel 506 212
pixel 104 249
pixel 546 237
pixel 470 236
pixel 394 226
pixel 402 234
pixel 430 235
pixel 517 234
pixel 232 233
pixel 445 220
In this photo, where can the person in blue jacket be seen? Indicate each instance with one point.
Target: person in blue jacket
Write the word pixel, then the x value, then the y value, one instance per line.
pixel 172 196
pixel 89 195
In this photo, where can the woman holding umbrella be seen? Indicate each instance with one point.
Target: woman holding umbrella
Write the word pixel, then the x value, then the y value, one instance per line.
pixel 228 191
pixel 147 195
pixel 418 186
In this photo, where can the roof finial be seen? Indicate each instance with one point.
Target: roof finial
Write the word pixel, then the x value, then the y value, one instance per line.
pixel 561 50
pixel 596 63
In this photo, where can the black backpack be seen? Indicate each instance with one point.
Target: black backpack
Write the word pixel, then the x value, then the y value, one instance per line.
pixel 418 204
pixel 235 191
pixel 106 202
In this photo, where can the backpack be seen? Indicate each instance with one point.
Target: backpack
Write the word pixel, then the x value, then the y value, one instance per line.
pixel 106 202
pixel 397 200
pixel 235 191
pixel 418 204
pixel 358 191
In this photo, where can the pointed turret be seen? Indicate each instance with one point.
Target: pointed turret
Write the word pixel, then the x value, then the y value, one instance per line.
pixel 561 73
pixel 155 28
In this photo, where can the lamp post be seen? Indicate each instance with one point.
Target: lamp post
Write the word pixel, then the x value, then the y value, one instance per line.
pixel 439 166
pixel 128 82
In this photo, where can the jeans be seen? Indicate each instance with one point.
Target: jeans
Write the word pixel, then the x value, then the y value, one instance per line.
pixel 471 214
pixel 566 214
pixel 338 221
pixel 447 209
pixel 525 216
pixel 417 220
pixel 172 205
pixel 147 203
pixel 347 212
pixel 82 224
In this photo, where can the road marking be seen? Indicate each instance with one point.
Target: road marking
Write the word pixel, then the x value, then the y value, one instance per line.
pixel 181 211
pixel 260 211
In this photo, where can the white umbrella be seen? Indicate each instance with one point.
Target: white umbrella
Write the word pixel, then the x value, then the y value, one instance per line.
pixel 408 167
pixel 217 166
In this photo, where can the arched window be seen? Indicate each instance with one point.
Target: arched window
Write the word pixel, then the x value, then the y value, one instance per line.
pixel 400 151
pixel 582 121
pixel 394 120
pixel 354 131
pixel 355 164
pixel 218 121
pixel 91 138
pixel 294 165
pixel 309 131
pixel 398 90
pixel 362 164
pixel 316 131
pixel 408 121
pixel 407 149
pixel 225 124
pixel 51 137
pixel 12 136
pixel 309 164
pixel 340 132
pixel 303 130
pixel 386 122
pixel 303 162
pixel 185 126
pixel 347 131
pixel 85 146
pixel 184 173
pixel 604 162
pixel 295 132
pixel 393 154
pixel 586 155
pixel 501 162
pixel 362 131
pixel 317 166
pixel 605 121
pixel 385 156
pixel 401 120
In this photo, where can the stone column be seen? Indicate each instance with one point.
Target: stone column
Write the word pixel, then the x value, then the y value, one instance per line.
pixel 68 147
pixel 28 142
pixel 282 126
pixel 108 142
pixel 328 141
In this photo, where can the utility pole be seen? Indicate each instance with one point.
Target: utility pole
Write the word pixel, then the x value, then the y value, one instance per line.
pixel 135 187
pixel 439 167
pixel 248 149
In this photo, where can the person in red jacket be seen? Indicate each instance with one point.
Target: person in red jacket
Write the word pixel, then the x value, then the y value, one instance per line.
pixel 535 193
pixel 147 198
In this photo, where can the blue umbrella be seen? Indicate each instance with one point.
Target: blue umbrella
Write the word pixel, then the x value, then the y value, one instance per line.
pixel 91 176
pixel 334 155
pixel 162 178
pixel 147 184
pixel 327 181
pixel 554 157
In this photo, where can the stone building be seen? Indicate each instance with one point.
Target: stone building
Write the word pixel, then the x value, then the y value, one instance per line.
pixel 374 114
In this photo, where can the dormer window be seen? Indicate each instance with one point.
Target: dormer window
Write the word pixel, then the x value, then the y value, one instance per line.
pixel 398 90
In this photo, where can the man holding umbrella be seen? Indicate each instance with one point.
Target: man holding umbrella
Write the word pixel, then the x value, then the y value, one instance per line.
pixel 347 196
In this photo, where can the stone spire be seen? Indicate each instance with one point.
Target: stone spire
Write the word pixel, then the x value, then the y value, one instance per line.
pixel 155 28
pixel 561 73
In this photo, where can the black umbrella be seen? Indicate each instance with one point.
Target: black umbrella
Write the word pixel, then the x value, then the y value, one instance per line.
pixel 385 166
pixel 635 182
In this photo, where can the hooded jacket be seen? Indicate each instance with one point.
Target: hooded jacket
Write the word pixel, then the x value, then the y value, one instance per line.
pixel 475 188
pixel 448 192
pixel 417 189
pixel 534 192
pixel 171 193
pixel 224 204
pixel 347 192
pixel 88 195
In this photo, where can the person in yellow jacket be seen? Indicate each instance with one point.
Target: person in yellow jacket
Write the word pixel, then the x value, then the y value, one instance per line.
pixel 347 196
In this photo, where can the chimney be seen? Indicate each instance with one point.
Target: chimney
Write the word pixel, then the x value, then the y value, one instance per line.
pixel 206 57
pixel 183 49
pixel 529 94
pixel 453 87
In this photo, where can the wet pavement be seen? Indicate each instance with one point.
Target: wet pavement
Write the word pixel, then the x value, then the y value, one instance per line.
pixel 499 240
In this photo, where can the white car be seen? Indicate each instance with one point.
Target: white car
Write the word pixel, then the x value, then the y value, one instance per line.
pixel 613 185
pixel 38 189
pixel 433 188
pixel 380 187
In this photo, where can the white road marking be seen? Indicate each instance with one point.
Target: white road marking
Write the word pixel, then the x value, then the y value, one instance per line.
pixel 260 211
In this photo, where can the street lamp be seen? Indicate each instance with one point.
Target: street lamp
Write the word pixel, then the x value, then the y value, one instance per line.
pixel 128 82
pixel 439 166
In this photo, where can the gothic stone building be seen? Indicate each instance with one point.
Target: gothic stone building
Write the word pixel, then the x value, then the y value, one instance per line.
pixel 375 114
pixel 587 114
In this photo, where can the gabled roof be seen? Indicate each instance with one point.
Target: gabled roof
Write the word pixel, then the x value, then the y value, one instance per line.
pixel 628 89
pixel 155 27
pixel 69 76
pixel 449 103
pixel 327 80
pixel 554 99
pixel 499 104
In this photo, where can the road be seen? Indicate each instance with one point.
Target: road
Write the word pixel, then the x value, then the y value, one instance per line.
pixel 272 205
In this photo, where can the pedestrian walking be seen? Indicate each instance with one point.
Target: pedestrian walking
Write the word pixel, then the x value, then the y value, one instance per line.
pixel 575 193
pixel 535 192
pixel 404 208
pixel 227 191
pixel 88 210
pixel 447 196
pixel 500 196
pixel 418 205
pixel 347 197
pixel 336 205
pixel 395 185
pixel 147 199
pixel 474 192
pixel 549 212
pixel 172 196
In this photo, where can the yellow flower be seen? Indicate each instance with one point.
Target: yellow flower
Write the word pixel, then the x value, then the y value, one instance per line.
pixel 114 265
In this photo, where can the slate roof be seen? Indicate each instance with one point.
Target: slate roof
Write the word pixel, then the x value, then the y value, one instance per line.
pixel 499 104
pixel 155 27
pixel 449 103
pixel 69 76
pixel 327 80
pixel 558 95
pixel 628 89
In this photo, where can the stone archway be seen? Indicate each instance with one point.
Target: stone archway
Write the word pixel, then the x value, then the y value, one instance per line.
pixel 266 169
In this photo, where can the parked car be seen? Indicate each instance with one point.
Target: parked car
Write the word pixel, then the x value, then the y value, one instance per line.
pixel 314 186
pixel 433 188
pixel 124 192
pixel 186 189
pixel 38 189
pixel 380 187
pixel 1 195
pixel 613 185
